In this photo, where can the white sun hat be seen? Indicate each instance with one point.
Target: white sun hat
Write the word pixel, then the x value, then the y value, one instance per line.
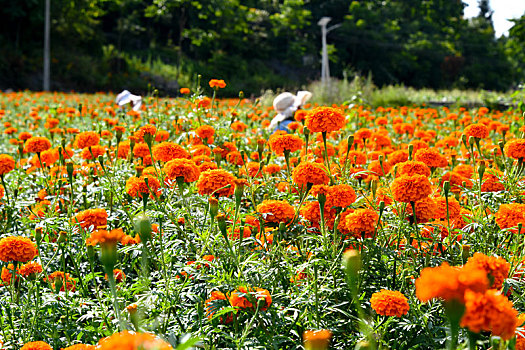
pixel 286 104
pixel 302 97
pixel 126 97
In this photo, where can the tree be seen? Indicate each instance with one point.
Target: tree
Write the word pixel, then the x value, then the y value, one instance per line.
pixel 515 49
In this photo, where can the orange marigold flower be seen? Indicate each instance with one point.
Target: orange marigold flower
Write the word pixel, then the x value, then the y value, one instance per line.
pixel 57 278
pixel 412 188
pixel 184 91
pixel 199 152
pixel 311 212
pixel 31 268
pixel 6 274
pixel 48 158
pixel 249 297
pixel 276 211
pixel 205 131
pixel 133 341
pixel 496 268
pixel 87 139
pixel 426 210
pixel 340 196
pixel 389 303
pixel 207 166
pixel 104 237
pixel 418 144
pixel 246 232
pixel 238 126
pixel 515 149
pixel 182 168
pixel 450 283
pixel 431 157
pixel 411 167
pixel 354 157
pixel 136 186
pixel 204 102
pixel 478 131
pixel 253 169
pixel 510 215
pixel 167 151
pixel 235 157
pixel 147 129
pixel 317 340
pixel 217 302
pixel 397 157
pixel 7 164
pixel 141 150
pixel 93 152
pixel 118 274
pixel 300 115
pixel 24 135
pixel 309 173
pixel 489 311
pixel 454 208
pixel 280 143
pixel 80 347
pixel 319 149
pixel 162 135
pixel 491 181
pixel 272 169
pixel 362 222
pixel 219 83
pixel 363 134
pixel 123 150
pixel 456 181
pixel 129 240
pixel 91 218
pixel 20 249
pixel 378 169
pixel 215 181
pixel 36 345
pixel 325 119
pixel 37 144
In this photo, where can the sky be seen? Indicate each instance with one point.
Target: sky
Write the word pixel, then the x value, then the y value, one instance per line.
pixel 503 10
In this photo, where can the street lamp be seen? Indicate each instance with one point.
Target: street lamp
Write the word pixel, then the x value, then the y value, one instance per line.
pixel 325 68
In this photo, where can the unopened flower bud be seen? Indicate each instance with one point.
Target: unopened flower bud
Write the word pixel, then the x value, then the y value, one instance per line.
pixel 38 234
pixel 446 187
pixel 352 263
pixel 221 222
pixel 143 227
pixel 465 252
pixel 317 340
pixel 481 169
pixel 214 206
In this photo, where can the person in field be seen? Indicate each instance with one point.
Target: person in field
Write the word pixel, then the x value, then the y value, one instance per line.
pixel 126 97
pixel 286 104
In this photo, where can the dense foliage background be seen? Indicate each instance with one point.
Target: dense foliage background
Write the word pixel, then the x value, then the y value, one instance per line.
pixel 254 45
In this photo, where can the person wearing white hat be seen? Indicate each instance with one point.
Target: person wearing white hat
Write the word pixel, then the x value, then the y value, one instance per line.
pixel 126 97
pixel 285 105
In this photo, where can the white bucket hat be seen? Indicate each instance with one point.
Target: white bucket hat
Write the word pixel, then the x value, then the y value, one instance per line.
pixel 126 97
pixel 286 104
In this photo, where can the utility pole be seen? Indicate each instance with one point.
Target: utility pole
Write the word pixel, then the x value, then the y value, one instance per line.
pixel 47 60
pixel 325 67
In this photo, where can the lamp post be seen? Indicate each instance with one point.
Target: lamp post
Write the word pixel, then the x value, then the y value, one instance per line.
pixel 47 63
pixel 325 68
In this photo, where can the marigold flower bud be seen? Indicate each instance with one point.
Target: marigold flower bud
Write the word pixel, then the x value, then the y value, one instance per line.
pixel 143 227
pixel 352 263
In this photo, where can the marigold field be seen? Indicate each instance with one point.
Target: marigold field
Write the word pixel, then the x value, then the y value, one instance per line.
pixel 188 224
